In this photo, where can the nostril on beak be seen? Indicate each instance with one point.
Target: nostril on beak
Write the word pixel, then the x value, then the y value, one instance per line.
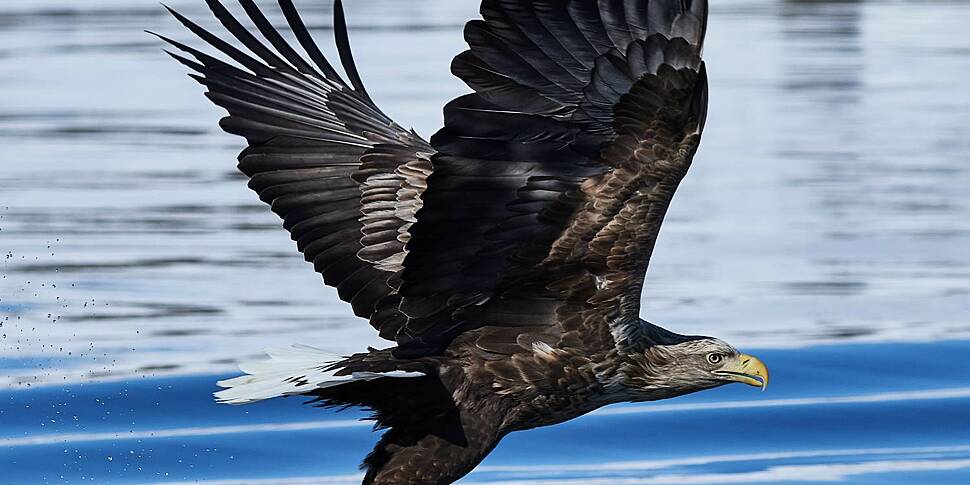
pixel 745 361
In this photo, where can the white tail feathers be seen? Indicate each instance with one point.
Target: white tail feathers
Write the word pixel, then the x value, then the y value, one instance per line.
pixel 297 370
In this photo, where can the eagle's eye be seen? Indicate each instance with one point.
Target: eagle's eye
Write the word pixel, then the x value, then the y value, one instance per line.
pixel 715 358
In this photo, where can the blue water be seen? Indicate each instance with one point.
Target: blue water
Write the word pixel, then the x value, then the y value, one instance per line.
pixel 824 227
pixel 877 413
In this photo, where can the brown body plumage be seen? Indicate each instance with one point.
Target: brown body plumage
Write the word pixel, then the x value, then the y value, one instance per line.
pixel 504 258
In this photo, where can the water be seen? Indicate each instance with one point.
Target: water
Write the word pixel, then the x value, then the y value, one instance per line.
pixel 824 227
pixel 834 413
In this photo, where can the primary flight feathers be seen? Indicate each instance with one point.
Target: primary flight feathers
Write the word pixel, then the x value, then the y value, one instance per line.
pixel 413 234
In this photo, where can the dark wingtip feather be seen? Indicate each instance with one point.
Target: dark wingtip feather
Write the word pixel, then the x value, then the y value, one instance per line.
pixel 244 36
pixel 299 29
pixel 226 48
pixel 343 48
pixel 181 18
pixel 273 36
pixel 185 61
pixel 169 40
pixel 701 98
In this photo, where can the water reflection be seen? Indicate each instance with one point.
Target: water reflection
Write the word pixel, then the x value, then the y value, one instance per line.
pixel 823 88
pixel 824 46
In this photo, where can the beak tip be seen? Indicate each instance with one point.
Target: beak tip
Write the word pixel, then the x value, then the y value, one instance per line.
pixel 755 370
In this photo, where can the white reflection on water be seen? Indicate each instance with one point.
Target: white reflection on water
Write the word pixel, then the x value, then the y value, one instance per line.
pixel 196 431
pixel 776 474
pixel 869 463
pixel 72 438
pixel 828 201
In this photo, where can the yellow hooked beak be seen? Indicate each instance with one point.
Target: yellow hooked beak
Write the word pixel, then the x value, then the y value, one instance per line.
pixel 746 369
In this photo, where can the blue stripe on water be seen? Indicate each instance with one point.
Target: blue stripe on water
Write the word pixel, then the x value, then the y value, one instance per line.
pixel 858 408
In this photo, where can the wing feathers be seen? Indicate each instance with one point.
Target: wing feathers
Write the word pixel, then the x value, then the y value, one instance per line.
pixel 273 36
pixel 309 134
pixel 343 48
pixel 613 13
pixel 303 37
pixel 224 47
pixel 243 35
pixel 566 94
pixel 535 183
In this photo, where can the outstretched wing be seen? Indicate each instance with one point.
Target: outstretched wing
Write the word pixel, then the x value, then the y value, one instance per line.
pixel 537 205
pixel 346 180
pixel 552 179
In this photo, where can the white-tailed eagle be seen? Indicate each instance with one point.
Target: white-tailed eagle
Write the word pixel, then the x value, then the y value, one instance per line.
pixel 505 257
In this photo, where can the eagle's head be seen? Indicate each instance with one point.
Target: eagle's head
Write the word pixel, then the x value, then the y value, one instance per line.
pixel 688 364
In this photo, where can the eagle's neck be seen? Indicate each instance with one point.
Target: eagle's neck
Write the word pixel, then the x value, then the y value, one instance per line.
pixel 640 335
pixel 637 375
pixel 657 335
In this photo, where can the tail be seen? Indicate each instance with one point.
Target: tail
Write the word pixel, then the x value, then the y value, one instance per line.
pixel 302 370
pixel 428 438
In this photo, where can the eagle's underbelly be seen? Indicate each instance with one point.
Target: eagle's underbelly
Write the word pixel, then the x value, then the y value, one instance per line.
pixel 553 409
pixel 533 388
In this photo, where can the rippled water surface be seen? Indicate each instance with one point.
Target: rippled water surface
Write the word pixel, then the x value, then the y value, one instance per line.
pixel 826 222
